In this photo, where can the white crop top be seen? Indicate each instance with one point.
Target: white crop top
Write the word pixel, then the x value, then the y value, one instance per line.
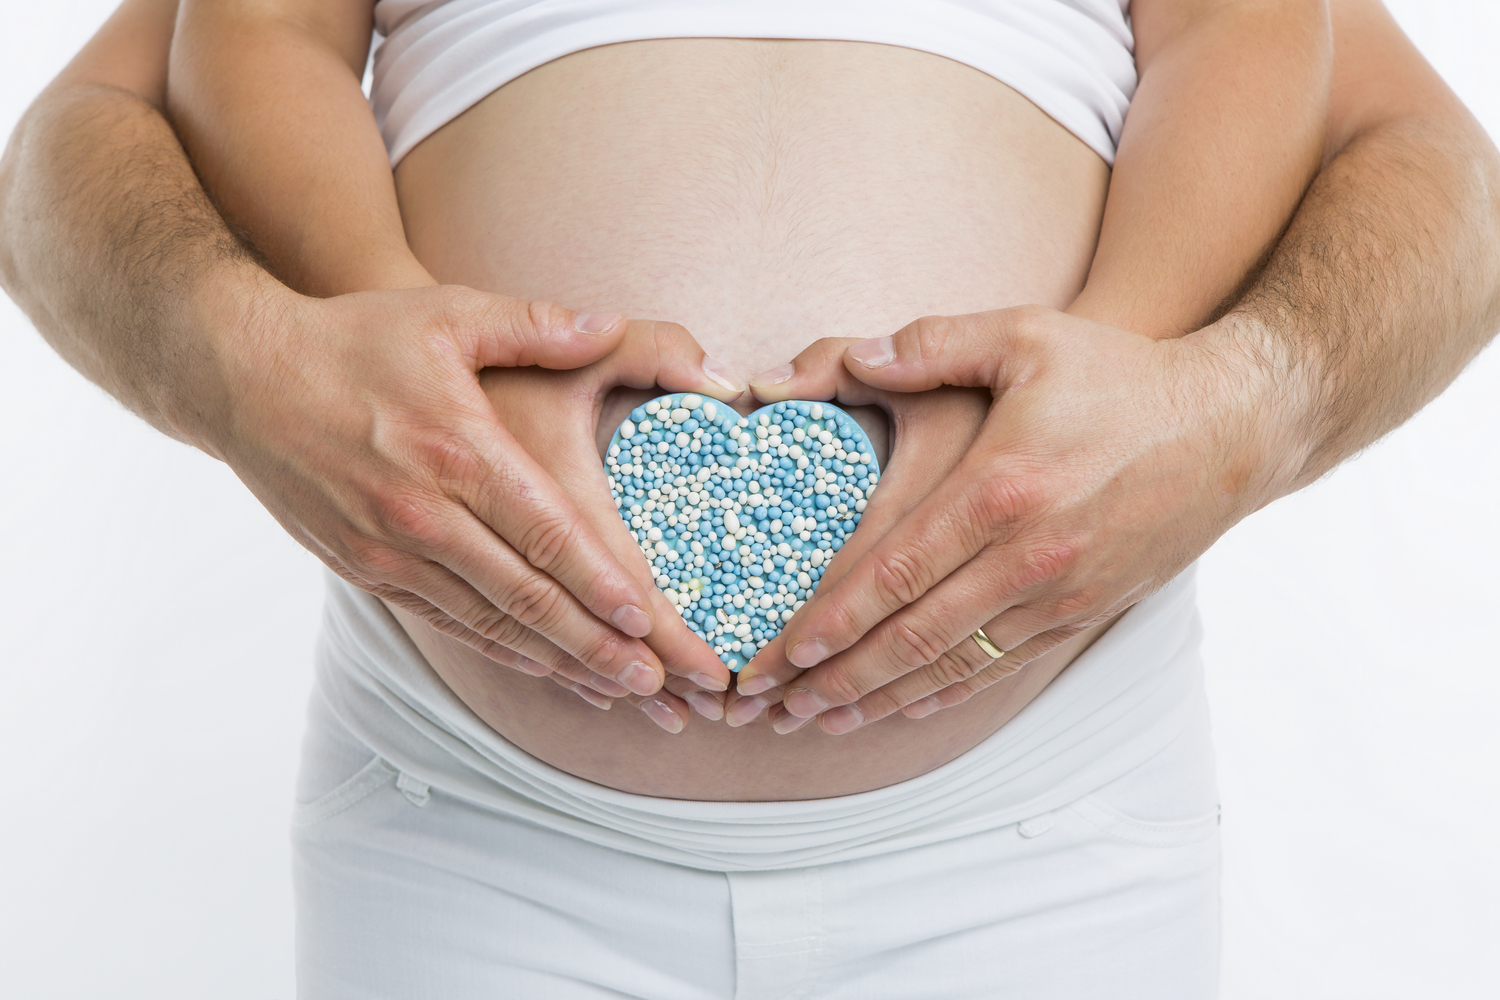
pixel 1071 58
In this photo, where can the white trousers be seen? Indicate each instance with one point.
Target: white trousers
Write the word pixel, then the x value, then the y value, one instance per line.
pixel 405 891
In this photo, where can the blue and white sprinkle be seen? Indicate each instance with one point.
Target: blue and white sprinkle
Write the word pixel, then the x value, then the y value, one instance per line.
pixel 739 516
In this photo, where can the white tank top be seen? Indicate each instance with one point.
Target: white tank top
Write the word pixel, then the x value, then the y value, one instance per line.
pixel 1071 58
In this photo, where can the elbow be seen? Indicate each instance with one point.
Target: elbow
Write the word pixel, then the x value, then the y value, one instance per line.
pixel 11 225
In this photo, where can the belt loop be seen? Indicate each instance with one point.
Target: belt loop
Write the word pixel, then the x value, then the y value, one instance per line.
pixel 415 790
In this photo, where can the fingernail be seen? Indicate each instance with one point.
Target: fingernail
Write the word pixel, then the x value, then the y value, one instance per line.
pixel 805 702
pixel 841 720
pixel 529 666
pixel 596 323
pixel 608 686
pixel 721 375
pixel 808 653
pixel 776 376
pixel 789 724
pixel 631 620
pixel 759 684
pixel 743 711
pixel 591 696
pixel 708 683
pixel 659 713
pixel 874 353
pixel 705 704
pixel 640 678
pixel 922 709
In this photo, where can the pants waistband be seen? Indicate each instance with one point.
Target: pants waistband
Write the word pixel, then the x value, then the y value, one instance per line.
pixel 1119 703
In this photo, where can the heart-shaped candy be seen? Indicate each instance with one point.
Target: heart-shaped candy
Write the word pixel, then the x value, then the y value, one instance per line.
pixel 738 516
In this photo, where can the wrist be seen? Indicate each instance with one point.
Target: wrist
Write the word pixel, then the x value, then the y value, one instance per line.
pixel 225 327
pixel 1262 396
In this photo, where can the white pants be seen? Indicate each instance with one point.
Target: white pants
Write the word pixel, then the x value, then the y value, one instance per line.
pixel 405 891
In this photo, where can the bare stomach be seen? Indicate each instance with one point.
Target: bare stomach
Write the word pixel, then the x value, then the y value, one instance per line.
pixel 763 194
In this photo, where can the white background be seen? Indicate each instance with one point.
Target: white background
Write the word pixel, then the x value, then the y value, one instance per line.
pixel 156 629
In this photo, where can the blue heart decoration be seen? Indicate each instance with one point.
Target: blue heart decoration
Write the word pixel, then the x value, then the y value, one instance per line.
pixel 739 516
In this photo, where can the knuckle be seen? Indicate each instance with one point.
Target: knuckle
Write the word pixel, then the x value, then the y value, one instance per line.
pixel 547 537
pixel 880 703
pixel 670 336
pixel 899 578
pixel 1000 500
pixel 1048 561
pixel 1077 604
pixel 544 315
pixel 448 457
pixel 932 334
pixel 376 561
pixel 411 519
pixel 440 621
pixel 841 685
pixel 912 644
pixel 953 668
pixel 600 652
pixel 535 602
pixel 456 304
pixel 499 627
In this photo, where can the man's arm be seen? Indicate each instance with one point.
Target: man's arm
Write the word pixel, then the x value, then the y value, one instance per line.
pixel 358 420
pixel 108 242
pixel 1110 462
pixel 1387 282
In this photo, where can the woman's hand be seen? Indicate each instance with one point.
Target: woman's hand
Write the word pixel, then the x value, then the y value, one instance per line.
pixel 359 422
pixel 1107 463
pixel 555 417
pixel 930 433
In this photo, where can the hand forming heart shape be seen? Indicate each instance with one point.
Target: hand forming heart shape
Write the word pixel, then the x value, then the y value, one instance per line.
pixel 738 516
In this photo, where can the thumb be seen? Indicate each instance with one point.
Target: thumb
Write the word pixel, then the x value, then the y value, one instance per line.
pixel 659 353
pixel 980 349
pixel 505 332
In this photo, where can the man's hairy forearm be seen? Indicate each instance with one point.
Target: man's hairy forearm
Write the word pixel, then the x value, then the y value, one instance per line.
pixel 1386 284
pixel 110 245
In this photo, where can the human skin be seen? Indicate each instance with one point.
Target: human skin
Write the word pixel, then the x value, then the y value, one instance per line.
pixel 1452 149
pixel 299 146
pixel 1323 354
pixel 377 452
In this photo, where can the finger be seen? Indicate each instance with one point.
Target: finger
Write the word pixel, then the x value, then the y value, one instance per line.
pixel 967 662
pixel 651 352
pixel 709 704
pixel 956 665
pixel 658 353
pixel 500 595
pixel 953 524
pixel 514 645
pixel 588 694
pixel 505 332
pixel 933 430
pixel 670 712
pixel 979 594
pixel 981 349
pixel 816 373
pixel 920 704
pixel 519 501
pixel 742 709
pixel 784 722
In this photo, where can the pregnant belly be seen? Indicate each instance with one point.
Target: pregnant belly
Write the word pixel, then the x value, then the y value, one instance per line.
pixel 763 194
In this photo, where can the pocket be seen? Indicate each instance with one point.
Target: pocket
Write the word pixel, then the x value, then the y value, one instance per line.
pixel 1146 833
pixel 374 775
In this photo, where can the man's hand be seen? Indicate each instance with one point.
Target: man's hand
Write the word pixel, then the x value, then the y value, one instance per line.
pixel 1107 463
pixel 555 416
pixel 360 423
pixel 930 433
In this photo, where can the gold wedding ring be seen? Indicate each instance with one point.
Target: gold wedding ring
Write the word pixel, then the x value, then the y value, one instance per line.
pixel 991 650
